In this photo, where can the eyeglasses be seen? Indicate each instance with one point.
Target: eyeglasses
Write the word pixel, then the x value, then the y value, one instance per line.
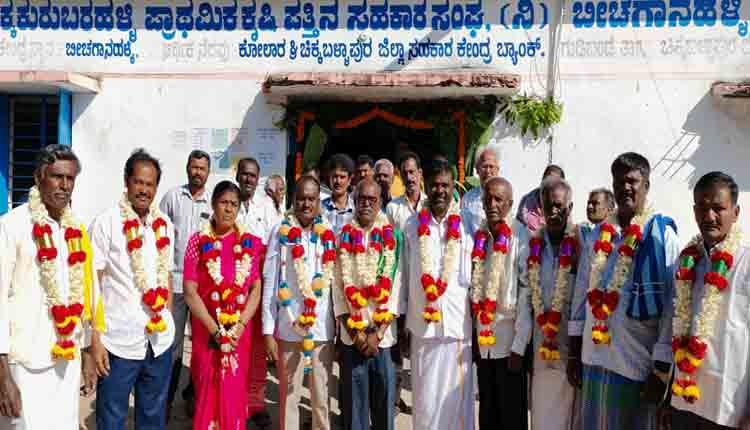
pixel 371 201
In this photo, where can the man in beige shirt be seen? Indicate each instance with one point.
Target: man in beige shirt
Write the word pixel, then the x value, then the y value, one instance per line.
pixel 366 304
pixel 46 292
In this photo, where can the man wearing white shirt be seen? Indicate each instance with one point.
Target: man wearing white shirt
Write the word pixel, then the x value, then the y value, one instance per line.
pixel 722 379
pixel 399 210
pixel 487 167
pixel 368 332
pixel 39 380
pixel 287 341
pixel 133 256
pixel 502 384
pixel 188 207
pixel 402 208
pixel 256 210
pixel 439 274
pixel 547 268
pixel 259 216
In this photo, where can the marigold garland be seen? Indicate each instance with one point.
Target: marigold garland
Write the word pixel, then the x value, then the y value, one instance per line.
pixel 155 298
pixel 690 350
pixel 362 280
pixel 484 294
pixel 549 320
pixel 227 299
pixel 66 317
pixel 435 288
pixel 290 234
pixel 604 302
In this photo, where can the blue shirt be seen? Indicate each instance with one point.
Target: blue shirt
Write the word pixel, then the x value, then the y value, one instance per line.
pixel 634 344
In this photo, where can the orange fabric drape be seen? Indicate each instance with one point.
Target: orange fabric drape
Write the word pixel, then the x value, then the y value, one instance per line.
pixel 301 119
pixel 394 119
pixel 460 117
pixel 297 165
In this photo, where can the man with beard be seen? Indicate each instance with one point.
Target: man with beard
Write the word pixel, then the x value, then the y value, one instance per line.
pixel 189 208
pixel 622 309
pixel 547 267
pixel 301 260
pixel 45 301
pixel 133 257
pixel 339 208
pixel 368 331
pixel 488 166
pixel 439 318
pixel 384 178
pixel 257 213
pixel 502 385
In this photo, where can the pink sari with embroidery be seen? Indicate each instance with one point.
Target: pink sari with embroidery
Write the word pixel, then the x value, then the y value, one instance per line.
pixel 220 391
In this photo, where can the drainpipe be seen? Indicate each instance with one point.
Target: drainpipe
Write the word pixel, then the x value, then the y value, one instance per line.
pixel 555 35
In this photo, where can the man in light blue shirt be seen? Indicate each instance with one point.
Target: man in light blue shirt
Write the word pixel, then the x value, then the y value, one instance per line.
pixel 624 378
pixel 338 209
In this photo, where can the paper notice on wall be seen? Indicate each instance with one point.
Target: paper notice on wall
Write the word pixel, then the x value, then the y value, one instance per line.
pixel 269 148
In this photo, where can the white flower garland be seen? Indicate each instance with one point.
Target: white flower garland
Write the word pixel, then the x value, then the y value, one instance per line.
pixel 562 281
pixel 136 255
pixel 491 289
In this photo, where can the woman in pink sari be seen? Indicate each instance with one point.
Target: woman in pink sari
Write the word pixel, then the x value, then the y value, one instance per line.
pixel 222 289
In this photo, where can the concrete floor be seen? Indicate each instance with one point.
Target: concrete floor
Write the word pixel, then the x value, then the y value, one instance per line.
pixel 180 421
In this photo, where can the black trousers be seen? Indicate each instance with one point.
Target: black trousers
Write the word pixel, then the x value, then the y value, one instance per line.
pixel 683 420
pixel 503 396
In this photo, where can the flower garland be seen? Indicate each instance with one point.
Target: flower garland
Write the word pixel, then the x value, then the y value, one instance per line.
pixel 484 294
pixel 549 320
pixel 227 299
pixel 290 234
pixel 65 317
pixel 372 283
pixel 435 288
pixel 604 302
pixel 690 351
pixel 155 298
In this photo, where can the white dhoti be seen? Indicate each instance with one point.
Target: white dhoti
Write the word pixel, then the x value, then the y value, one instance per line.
pixel 443 384
pixel 49 397
pixel 552 397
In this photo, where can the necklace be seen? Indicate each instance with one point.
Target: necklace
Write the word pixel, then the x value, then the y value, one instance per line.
pixel 155 298
pixel 484 294
pixel 66 317
pixel 604 302
pixel 690 350
pixel 549 319
pixel 363 279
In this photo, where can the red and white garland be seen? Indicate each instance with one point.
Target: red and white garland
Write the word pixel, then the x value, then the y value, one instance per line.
pixel 155 298
pixel 435 288
pixel 484 294
pixel 604 302
pixel 66 317
pixel 359 271
pixel 227 299
pixel 549 319
pixel 690 350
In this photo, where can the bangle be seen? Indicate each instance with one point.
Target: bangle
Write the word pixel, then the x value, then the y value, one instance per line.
pixel 240 322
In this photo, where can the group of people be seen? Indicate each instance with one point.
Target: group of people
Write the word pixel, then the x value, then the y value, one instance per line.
pixel 605 324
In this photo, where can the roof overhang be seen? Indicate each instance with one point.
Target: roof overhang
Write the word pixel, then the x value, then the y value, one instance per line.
pixel 733 98
pixel 388 86
pixel 46 82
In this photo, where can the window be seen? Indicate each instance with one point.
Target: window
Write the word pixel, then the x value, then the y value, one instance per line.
pixel 33 125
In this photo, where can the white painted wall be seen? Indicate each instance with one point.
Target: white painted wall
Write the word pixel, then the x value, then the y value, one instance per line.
pixel 168 117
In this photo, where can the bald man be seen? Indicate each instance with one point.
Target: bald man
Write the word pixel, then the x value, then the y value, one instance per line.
pixel 502 384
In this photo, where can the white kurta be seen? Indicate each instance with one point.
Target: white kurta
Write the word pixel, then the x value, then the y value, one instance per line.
pixel 441 352
pixel 49 389
pixel 724 376
pixel 552 396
